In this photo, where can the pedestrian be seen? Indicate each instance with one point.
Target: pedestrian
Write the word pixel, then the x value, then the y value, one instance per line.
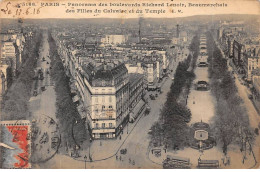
pixel 120 137
pixel 133 162
pixel 116 157
pixel 223 160
pixel 120 158
pixel 129 160
pixel 199 160
pixel 228 160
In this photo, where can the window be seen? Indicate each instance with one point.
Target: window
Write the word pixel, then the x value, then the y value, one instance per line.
pixel 97 125
pixel 110 125
pixel 103 107
pixel 110 107
pixel 103 125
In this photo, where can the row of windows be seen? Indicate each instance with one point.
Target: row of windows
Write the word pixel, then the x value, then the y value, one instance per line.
pixel 103 90
pixel 103 125
pixel 103 99
pixel 103 108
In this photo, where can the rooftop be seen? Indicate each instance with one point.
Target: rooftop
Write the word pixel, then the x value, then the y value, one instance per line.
pixel 104 72
pixel 133 77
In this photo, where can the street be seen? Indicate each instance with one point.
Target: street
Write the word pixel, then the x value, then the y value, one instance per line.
pixel 136 142
pixel 202 106
pixel 106 153
pixel 254 118
pixel 42 108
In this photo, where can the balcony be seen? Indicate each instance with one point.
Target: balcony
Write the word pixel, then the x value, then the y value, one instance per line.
pixel 103 130
pixel 103 119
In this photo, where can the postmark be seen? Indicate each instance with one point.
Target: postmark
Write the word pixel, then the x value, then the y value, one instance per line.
pixel 45 139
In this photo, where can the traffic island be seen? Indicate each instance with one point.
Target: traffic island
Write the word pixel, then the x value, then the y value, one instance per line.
pixel 202 136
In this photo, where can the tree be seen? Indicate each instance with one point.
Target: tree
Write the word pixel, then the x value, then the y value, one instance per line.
pixel 230 116
pixel 67 114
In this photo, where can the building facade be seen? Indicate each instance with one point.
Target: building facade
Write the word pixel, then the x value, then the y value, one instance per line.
pixel 114 39
pixel 3 80
pixel 150 72
pixel 136 93
pixel 237 51
pixel 105 93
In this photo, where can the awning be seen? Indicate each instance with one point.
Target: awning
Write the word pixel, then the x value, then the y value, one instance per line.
pixel 138 108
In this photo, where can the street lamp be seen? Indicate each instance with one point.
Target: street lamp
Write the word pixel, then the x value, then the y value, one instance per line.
pixel 85 158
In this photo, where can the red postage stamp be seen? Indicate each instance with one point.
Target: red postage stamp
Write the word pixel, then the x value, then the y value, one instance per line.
pixel 16 143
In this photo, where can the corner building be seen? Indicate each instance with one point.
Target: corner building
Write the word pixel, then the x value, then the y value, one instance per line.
pixel 105 93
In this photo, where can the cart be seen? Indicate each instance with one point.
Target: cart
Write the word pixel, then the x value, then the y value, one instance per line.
pixel 147 110
pixel 152 97
pixel 43 88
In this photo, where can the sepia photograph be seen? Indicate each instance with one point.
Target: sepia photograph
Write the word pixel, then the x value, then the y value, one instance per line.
pixel 159 84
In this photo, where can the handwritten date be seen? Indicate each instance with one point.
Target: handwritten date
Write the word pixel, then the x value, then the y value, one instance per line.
pixel 16 10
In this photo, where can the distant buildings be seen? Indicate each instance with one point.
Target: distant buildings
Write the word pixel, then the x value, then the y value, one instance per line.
pixel 237 51
pixel 251 65
pixel 150 72
pixel 114 39
pixel 3 80
pixel 241 47
pixel 112 76
pixel 11 48
pixel 256 90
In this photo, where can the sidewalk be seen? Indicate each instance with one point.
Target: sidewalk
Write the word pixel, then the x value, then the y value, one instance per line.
pixel 105 149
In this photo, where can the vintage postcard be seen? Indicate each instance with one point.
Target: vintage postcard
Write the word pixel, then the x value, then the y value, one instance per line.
pixel 122 84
